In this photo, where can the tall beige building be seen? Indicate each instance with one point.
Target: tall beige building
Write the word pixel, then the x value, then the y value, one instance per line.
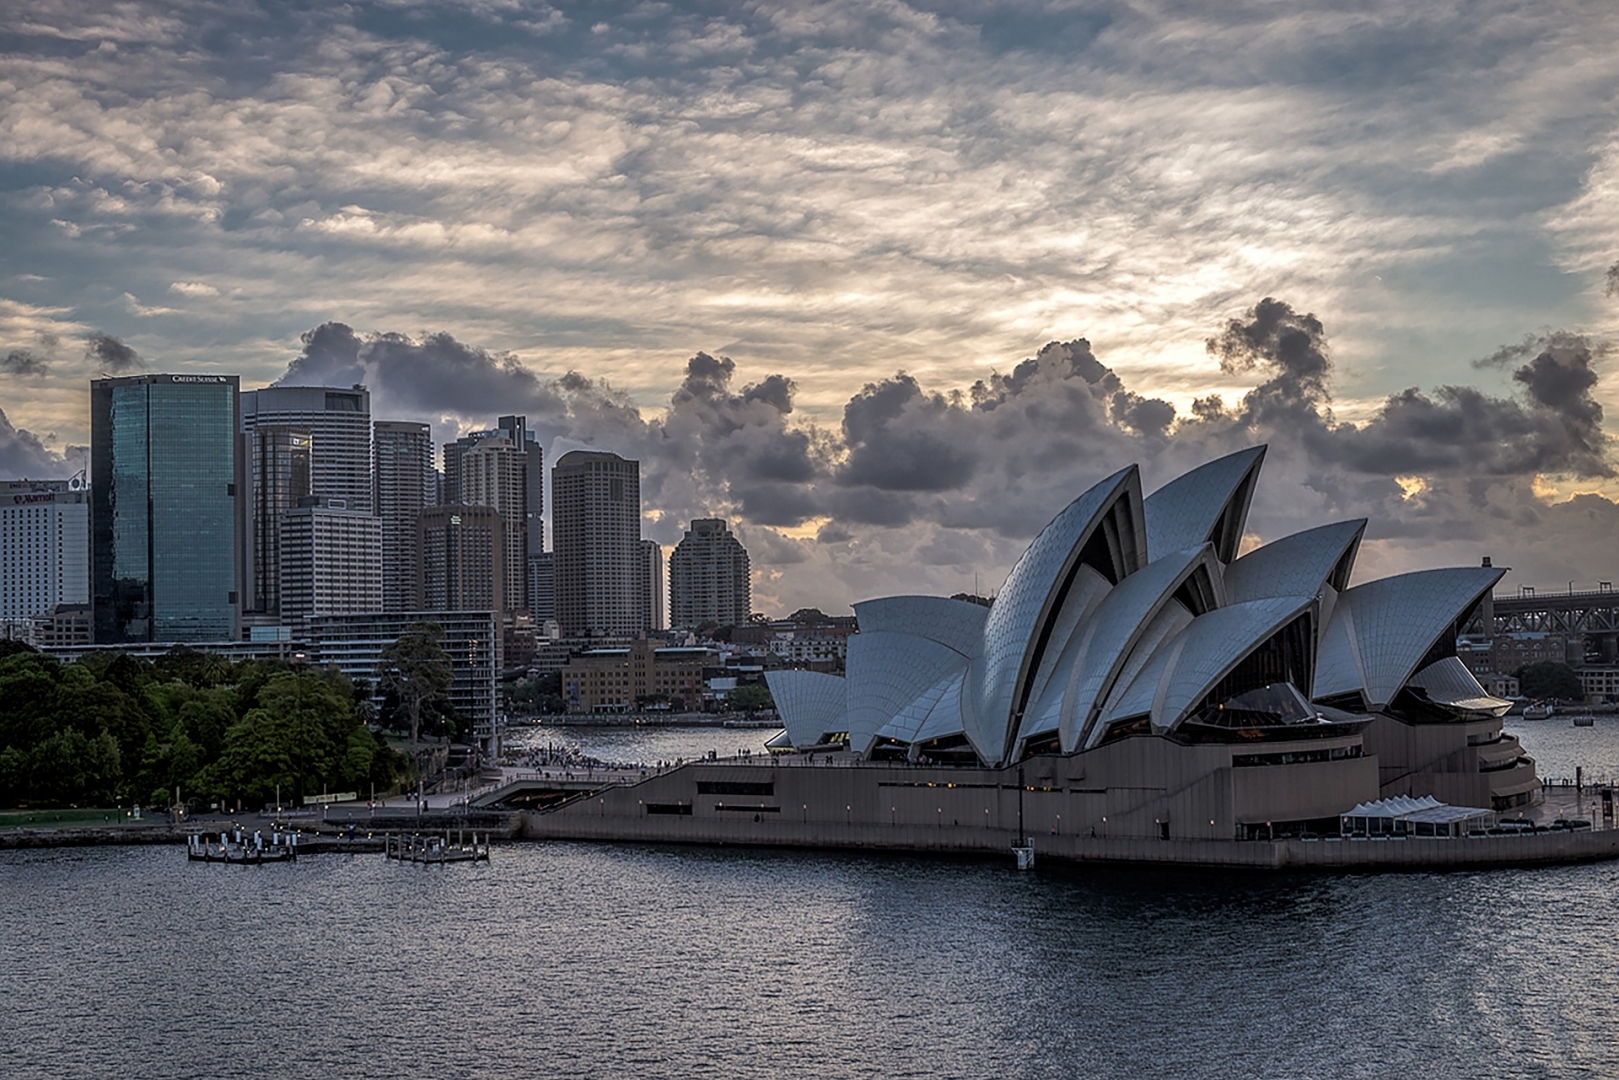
pixel 330 561
pixel 461 558
pixel 596 534
pixel 405 486
pixel 651 587
pixel 709 577
pixel 494 472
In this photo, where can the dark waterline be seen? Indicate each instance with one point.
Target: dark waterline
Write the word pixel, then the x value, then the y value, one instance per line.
pixel 594 960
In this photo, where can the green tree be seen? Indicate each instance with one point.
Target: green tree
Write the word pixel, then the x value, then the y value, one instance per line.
pixel 416 670
pixel 750 698
pixel 1549 679
pixel 289 740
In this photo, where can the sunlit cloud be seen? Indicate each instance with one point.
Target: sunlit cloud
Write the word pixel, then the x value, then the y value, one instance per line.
pixel 832 191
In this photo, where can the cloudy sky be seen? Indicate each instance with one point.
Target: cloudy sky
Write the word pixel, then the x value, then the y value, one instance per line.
pixel 885 283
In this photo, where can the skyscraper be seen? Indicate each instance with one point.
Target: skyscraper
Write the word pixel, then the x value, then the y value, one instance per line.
pixel 44 548
pixel 451 493
pixel 406 485
pixel 517 430
pixel 521 500
pixel 461 558
pixel 279 477
pixel 596 528
pixel 542 596
pixel 650 586
pixel 164 477
pixel 339 424
pixel 709 577
pixel 331 561
pixel 494 472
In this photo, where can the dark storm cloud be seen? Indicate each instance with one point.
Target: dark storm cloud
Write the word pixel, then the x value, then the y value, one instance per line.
pixel 900 438
pixel 1144 416
pixel 1613 280
pixel 958 480
pixel 714 447
pixel 110 354
pixel 1555 428
pixel 24 362
pixel 1287 346
pixel 24 455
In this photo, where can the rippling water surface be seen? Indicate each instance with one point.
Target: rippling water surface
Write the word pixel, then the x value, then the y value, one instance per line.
pixel 592 960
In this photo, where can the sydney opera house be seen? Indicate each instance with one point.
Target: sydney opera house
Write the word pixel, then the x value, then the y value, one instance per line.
pixel 1139 688
pixel 1132 642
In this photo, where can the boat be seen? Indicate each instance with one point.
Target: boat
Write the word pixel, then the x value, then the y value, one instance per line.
pixel 1539 711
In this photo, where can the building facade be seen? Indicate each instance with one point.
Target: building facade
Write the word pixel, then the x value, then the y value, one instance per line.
pixel 44 547
pixel 494 473
pixel 625 679
pixel 278 477
pixel 164 482
pixel 596 531
pixel 406 484
pixel 461 558
pixel 542 598
pixel 710 578
pixel 651 585
pixel 517 430
pixel 338 420
pixel 354 643
pixel 331 561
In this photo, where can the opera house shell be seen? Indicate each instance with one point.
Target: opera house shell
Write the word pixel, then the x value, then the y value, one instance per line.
pixel 1167 685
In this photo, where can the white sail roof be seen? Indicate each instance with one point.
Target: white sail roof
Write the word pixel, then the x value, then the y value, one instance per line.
pixel 886 671
pixel 956 624
pixel 1297 565
pixel 1208 504
pixel 1119 626
pixel 1448 682
pixel 810 703
pixel 1033 593
pixel 1380 631
pixel 1186 668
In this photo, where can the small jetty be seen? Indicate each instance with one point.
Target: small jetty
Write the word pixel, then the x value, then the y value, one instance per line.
pixel 436 849
pixel 243 848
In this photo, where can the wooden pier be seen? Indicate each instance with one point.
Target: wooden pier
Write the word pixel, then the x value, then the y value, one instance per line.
pixel 436 849
pixel 243 848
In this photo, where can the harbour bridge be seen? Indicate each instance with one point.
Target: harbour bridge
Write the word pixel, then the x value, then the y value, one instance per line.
pixel 1593 614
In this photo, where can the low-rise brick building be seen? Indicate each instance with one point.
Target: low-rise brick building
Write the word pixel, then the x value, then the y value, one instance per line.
pixel 624 679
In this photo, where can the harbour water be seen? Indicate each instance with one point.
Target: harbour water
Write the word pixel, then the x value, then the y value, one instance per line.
pixel 573 959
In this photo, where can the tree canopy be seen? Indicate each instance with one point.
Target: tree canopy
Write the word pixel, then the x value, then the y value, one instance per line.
pixel 114 729
pixel 1550 679
pixel 415 671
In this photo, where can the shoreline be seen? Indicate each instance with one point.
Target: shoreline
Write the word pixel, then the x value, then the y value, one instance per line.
pixel 737 722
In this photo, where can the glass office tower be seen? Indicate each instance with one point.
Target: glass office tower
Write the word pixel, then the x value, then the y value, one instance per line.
pixel 164 473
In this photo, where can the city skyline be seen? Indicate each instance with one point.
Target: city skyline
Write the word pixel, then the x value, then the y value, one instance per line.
pixel 794 260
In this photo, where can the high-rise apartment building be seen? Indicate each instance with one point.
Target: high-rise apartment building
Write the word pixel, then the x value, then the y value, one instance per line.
pixel 406 484
pixel 709 577
pixel 164 478
pixel 338 420
pixel 44 548
pixel 451 493
pixel 596 533
pixel 517 430
pixel 650 586
pixel 520 498
pixel 279 476
pixel 494 472
pixel 331 561
pixel 461 558
pixel 542 597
